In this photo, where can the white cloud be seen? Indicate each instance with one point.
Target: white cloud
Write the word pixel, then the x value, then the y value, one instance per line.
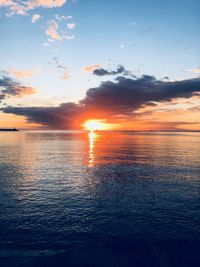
pixel 60 18
pixel 46 44
pixel 71 26
pixel 50 40
pixel 35 18
pixel 68 37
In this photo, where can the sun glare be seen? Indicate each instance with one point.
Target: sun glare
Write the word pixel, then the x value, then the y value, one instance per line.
pixel 94 125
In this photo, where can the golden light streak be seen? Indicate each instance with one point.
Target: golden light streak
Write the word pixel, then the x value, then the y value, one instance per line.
pixel 92 137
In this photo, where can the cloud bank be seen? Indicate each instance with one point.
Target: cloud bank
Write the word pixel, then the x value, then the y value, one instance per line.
pixel 110 100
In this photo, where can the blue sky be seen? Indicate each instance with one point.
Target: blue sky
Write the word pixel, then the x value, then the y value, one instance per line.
pixel 159 38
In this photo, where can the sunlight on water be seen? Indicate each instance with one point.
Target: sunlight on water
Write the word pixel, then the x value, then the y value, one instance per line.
pixel 78 186
pixel 92 138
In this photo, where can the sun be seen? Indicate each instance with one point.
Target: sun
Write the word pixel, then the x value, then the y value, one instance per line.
pixel 94 125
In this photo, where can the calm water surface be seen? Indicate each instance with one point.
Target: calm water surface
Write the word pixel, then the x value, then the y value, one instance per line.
pixel 121 197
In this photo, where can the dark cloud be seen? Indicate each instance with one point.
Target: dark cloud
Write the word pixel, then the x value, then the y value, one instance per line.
pixel 10 87
pixel 60 117
pixel 102 72
pixel 110 100
pixel 128 94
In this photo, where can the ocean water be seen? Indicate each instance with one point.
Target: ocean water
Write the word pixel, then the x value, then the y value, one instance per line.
pixel 99 199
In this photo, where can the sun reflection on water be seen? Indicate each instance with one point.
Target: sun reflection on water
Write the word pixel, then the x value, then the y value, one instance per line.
pixel 92 137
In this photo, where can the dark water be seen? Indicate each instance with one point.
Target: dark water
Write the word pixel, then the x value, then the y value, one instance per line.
pixel 103 199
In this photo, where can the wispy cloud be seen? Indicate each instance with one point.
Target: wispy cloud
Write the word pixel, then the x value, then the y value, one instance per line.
pixel 17 73
pixel 196 70
pixel 68 37
pixel 65 75
pixel 57 31
pixel 35 18
pixel 62 17
pixel 61 69
pixel 71 26
pixel 52 31
pixel 91 67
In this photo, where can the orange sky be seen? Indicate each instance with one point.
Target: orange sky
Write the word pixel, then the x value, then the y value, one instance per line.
pixel 181 116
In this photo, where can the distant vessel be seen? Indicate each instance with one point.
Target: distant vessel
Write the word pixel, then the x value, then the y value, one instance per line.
pixel 8 130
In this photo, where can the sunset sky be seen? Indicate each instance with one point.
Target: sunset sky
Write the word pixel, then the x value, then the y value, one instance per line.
pixel 132 65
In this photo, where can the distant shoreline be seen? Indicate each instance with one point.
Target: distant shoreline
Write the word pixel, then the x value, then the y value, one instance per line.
pixel 8 130
pixel 122 131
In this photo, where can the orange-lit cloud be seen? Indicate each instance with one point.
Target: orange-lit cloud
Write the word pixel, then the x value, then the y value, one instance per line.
pixel 197 70
pixel 91 67
pixel 65 75
pixel 17 73
pixel 4 3
pixel 20 7
pixel 52 31
pixel 57 33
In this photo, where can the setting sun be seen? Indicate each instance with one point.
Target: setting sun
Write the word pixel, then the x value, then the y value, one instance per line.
pixel 93 125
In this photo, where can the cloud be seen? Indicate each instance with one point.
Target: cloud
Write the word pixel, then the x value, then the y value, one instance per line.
pixel 17 73
pixel 60 68
pixel 45 3
pixel 68 37
pixel 56 31
pixel 65 75
pixel 197 70
pixel 60 18
pixel 125 95
pixel 103 72
pixel 110 100
pixel 52 31
pixel 12 88
pixel 91 68
pixel 71 26
pixel 35 18
pixel 21 7
pixel 61 117
pixel 4 3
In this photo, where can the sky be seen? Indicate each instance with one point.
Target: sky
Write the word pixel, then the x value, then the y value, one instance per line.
pixel 131 65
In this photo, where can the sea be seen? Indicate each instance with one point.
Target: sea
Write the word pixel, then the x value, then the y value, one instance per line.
pixel 116 199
